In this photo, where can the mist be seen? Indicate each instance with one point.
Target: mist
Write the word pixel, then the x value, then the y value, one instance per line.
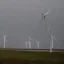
pixel 20 19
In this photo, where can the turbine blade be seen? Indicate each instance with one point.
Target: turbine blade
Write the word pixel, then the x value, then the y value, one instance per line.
pixel 48 29
pixel 42 14
pixel 41 20
pixel 42 17
pixel 48 12
pixel 30 38
pixel 54 37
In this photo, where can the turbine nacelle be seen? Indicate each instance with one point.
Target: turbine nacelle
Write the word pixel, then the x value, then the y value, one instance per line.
pixel 54 37
pixel 26 43
pixel 30 38
pixel 37 42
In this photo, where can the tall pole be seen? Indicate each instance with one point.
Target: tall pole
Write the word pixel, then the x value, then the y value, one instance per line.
pixel 51 43
pixel 26 44
pixel 4 41
pixel 37 44
pixel 50 47
pixel 29 44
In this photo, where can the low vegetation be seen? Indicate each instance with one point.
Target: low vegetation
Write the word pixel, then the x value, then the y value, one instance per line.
pixel 25 56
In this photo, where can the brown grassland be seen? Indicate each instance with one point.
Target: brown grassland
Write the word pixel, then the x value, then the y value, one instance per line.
pixel 33 56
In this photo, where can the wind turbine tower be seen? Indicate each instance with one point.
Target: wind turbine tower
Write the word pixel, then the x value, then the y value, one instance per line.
pixel 29 44
pixel 4 40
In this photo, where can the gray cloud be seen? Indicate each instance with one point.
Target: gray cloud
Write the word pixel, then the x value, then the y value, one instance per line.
pixel 19 19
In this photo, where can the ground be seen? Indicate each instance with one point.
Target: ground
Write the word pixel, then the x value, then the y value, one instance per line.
pixel 33 56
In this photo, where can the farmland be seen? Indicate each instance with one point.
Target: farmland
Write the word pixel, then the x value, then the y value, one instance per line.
pixel 33 56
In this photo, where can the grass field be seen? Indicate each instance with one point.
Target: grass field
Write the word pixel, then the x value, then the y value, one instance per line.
pixel 33 56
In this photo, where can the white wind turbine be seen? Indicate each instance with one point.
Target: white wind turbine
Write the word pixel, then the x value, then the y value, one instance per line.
pixel 29 42
pixel 51 41
pixel 5 40
pixel 44 16
pixel 37 44
pixel 26 44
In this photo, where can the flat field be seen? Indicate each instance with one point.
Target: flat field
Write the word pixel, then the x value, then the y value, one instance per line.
pixel 33 56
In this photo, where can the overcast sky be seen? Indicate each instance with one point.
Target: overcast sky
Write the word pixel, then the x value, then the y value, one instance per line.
pixel 19 19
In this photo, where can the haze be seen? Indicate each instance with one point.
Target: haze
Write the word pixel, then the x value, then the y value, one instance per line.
pixel 19 19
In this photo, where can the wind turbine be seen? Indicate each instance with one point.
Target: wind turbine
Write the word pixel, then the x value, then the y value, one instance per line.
pixel 44 17
pixel 37 44
pixel 5 39
pixel 29 42
pixel 51 41
pixel 26 44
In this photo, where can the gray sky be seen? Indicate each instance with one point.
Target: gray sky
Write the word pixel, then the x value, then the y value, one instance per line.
pixel 19 19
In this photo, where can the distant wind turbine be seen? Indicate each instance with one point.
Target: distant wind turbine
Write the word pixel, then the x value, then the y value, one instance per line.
pixel 37 44
pixel 26 44
pixel 5 39
pixel 29 42
pixel 51 41
pixel 44 17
